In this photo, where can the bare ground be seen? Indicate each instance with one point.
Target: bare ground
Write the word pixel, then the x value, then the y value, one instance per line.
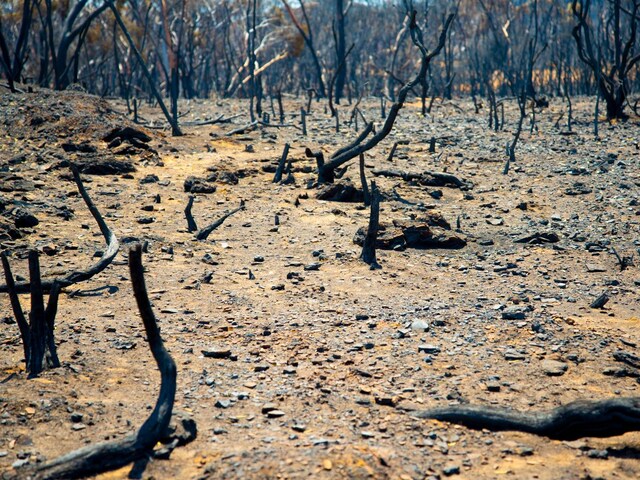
pixel 331 346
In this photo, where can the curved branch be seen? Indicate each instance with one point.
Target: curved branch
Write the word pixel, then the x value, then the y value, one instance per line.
pixel 80 275
pixel 579 419
pixel 108 456
pixel 325 173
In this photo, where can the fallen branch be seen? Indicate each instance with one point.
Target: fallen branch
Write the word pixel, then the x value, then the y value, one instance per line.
pixel 430 179
pixel 249 127
pixel 278 125
pixel 80 275
pixel 202 123
pixel 104 457
pixel 579 419
pixel 204 233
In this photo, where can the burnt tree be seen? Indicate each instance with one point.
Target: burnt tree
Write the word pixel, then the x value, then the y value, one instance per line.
pixel 612 75
pixel 326 171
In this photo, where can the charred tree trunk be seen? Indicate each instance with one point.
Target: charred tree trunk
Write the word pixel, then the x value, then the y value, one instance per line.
pixel 38 340
pixel 368 254
pixel 341 73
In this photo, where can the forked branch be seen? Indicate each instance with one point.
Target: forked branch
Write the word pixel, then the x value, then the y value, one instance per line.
pixel 103 457
pixel 78 276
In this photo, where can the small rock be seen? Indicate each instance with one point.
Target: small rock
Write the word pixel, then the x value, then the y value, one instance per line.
pixel 422 325
pixel 76 417
pixel 514 355
pixel 493 386
pixel 601 301
pixel 223 404
pixel 151 178
pixel 600 454
pixel 275 414
pixel 269 407
pixel 451 470
pixel 24 219
pixel 513 313
pixel 217 353
pixel 430 349
pixel 553 368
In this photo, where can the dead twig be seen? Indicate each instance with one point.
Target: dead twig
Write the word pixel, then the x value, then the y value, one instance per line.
pixel 78 276
pixel 204 233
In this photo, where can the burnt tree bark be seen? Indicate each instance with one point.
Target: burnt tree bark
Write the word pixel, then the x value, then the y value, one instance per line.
pixel 307 36
pixel 341 55
pixel 173 121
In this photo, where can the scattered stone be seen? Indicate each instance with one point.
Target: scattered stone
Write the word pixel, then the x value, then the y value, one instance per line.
pixel 421 325
pixel 84 147
pixel 402 235
pixel 224 404
pixel 599 454
pixel 593 268
pixel 275 414
pixel 76 417
pixel 450 470
pixel 429 349
pixel 217 353
pixel 126 133
pixel 513 313
pixel 340 192
pixel 269 407
pixel 386 401
pixel 553 368
pixel 198 185
pixel 514 355
pixel 101 166
pixel 493 386
pixel 539 238
pixel 24 219
pixel 601 301
pixel 578 188
pixel 151 178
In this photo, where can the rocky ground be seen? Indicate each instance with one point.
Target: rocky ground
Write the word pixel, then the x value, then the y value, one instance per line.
pixel 324 360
